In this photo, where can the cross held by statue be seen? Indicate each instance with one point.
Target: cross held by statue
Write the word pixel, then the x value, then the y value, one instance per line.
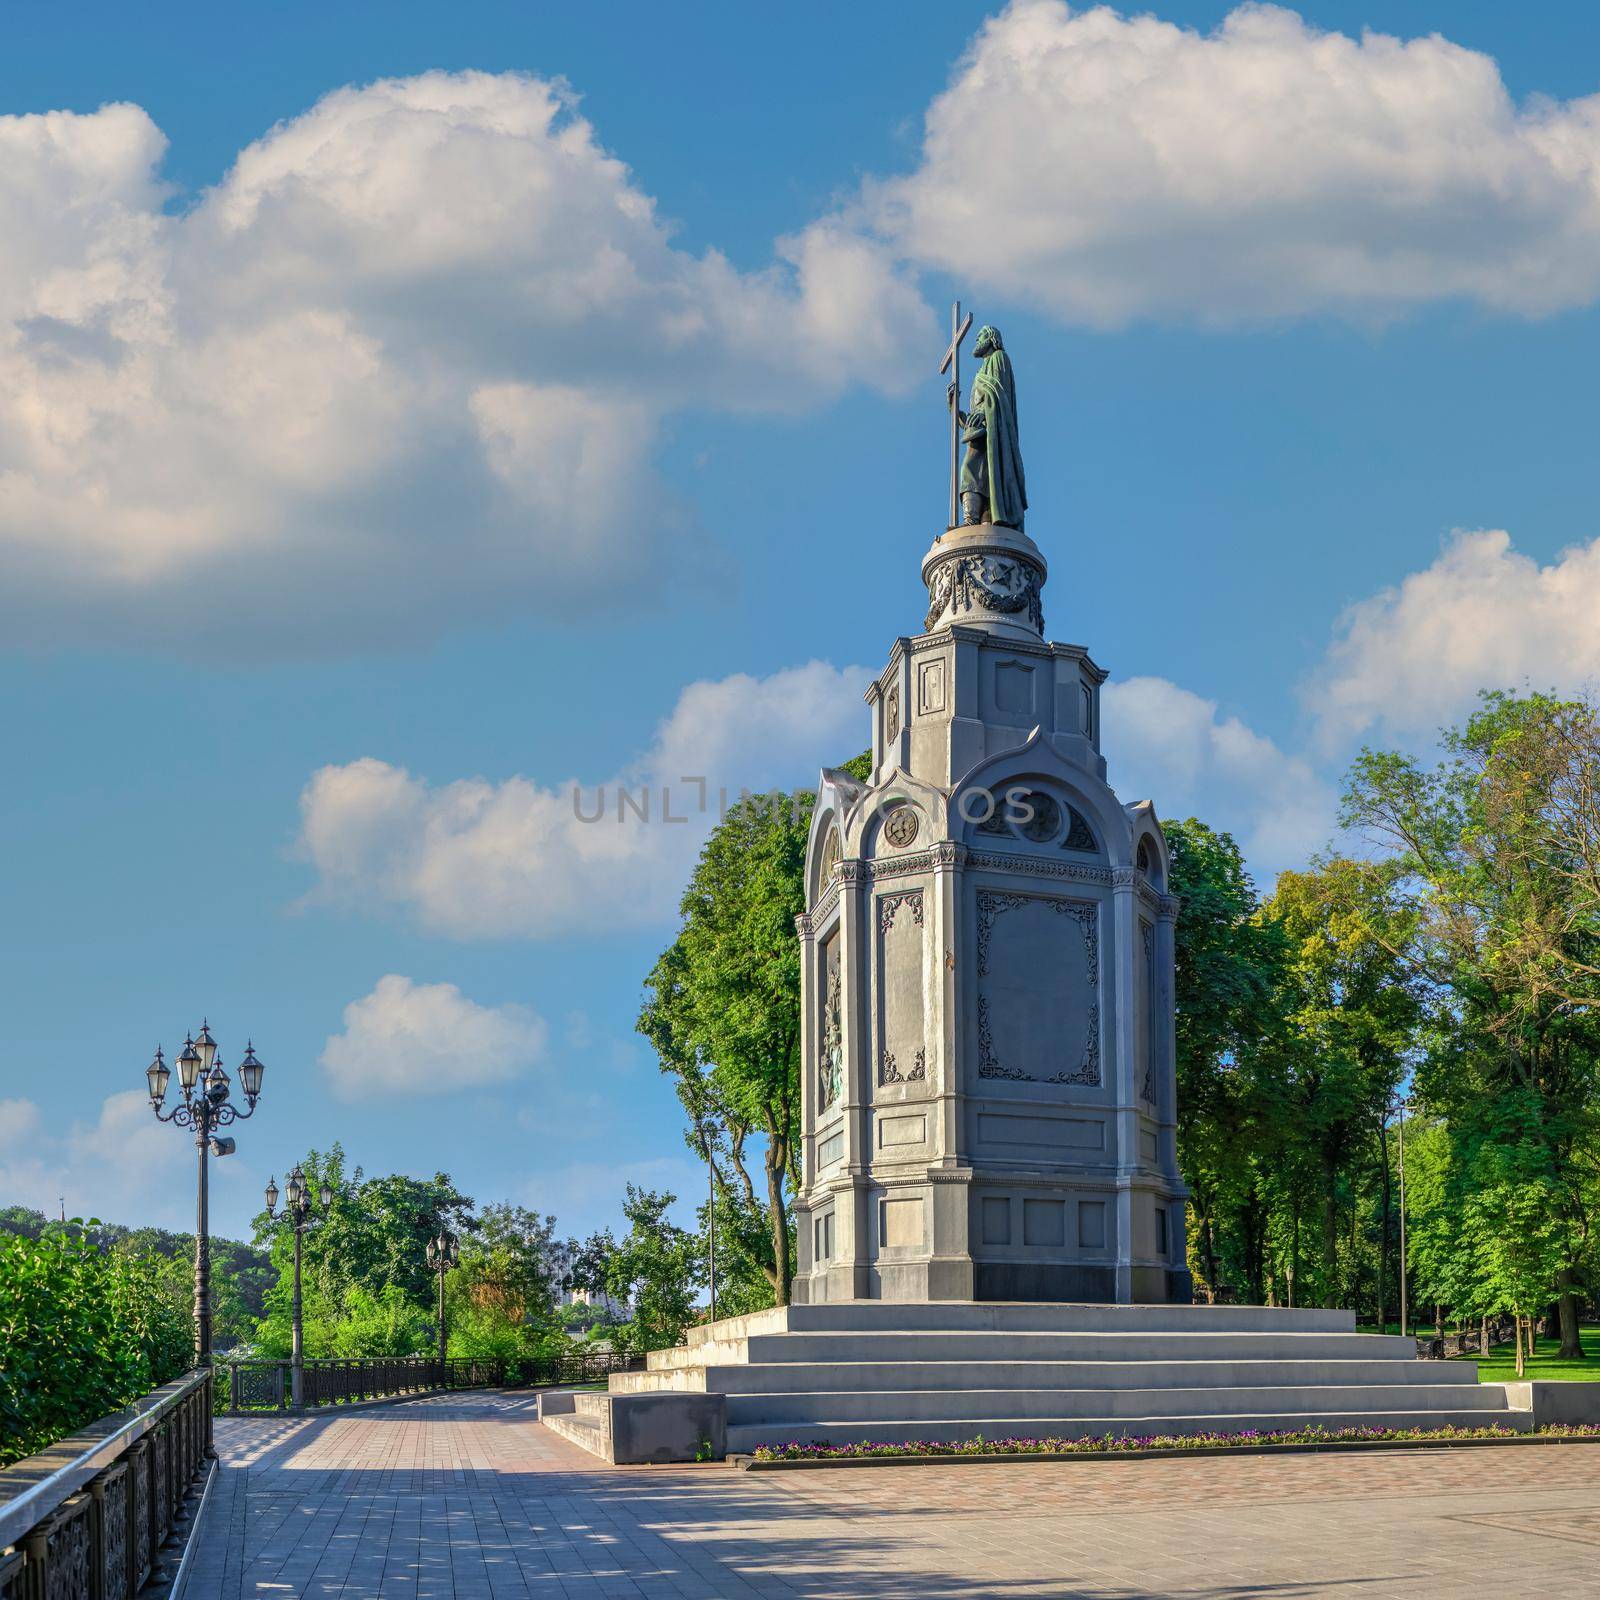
pixel 952 365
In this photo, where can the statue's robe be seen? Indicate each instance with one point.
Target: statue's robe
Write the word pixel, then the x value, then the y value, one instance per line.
pixel 992 465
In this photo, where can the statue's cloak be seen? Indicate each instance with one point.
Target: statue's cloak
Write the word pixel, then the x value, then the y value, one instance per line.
pixel 994 391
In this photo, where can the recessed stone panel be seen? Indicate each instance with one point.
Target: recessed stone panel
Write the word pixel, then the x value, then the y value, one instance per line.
pixel 902 1049
pixel 996 1211
pixel 901 1223
pixel 1092 1224
pixel 1038 988
pixel 1044 1222
pixel 901 1130
pixel 1049 1133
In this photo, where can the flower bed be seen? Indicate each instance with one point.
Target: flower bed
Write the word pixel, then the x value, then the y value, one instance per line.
pixel 1118 1444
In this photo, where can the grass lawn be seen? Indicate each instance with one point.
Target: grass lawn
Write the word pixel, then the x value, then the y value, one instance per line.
pixel 1501 1363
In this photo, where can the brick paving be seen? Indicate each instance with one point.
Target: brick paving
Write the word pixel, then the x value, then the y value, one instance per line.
pixel 468 1498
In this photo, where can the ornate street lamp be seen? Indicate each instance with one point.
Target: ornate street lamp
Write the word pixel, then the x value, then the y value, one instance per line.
pixel 300 1213
pixel 443 1253
pixel 205 1107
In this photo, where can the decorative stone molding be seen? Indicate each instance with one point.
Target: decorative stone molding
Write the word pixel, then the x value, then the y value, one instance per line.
pixel 900 827
pixel 827 904
pixel 901 866
pixel 853 871
pixel 830 854
pixel 889 1071
pixel 1072 871
pixel 890 904
pixel 803 926
pixel 1004 585
pixel 1080 836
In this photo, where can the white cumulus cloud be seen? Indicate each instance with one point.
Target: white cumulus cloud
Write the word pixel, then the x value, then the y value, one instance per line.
pixel 1174 747
pixel 1413 657
pixel 476 858
pixel 120 1165
pixel 405 364
pixel 428 1038
pixel 1108 167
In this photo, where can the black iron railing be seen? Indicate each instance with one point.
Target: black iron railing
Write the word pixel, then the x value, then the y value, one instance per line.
pixel 256 1386
pixel 88 1518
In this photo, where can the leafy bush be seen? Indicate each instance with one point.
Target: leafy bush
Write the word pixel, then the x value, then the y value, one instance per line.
pixel 85 1330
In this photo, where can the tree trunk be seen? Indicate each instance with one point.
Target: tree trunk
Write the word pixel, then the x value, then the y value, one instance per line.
pixel 1208 1254
pixel 1522 1365
pixel 1383 1233
pixel 778 1216
pixel 1294 1253
pixel 1330 1233
pixel 1571 1344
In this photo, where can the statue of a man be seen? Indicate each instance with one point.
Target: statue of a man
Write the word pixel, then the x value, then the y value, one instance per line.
pixel 992 487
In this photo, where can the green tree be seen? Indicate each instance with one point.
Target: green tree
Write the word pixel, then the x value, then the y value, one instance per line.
pixel 1494 850
pixel 655 1270
pixel 1227 966
pixel 723 1010
pixel 363 1263
pixel 1352 1006
pixel 502 1298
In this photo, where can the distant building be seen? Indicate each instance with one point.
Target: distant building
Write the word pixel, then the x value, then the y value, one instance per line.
pixel 600 1302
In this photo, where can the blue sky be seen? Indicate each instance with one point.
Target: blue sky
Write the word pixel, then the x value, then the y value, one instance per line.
pixel 287 442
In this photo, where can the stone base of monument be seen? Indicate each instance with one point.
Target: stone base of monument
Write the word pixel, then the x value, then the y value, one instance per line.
pixel 867 1371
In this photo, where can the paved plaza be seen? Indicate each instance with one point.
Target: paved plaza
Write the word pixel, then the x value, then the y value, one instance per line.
pixel 469 1498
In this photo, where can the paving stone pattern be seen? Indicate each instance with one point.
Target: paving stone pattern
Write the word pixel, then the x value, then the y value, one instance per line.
pixel 468 1497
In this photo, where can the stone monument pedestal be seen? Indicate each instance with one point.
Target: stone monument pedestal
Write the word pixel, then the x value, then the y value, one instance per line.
pixel 987 977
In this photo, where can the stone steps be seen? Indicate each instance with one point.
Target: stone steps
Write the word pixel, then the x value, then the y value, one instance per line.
pixel 583 1418
pixel 773 1377
pixel 866 1316
pixel 834 1348
pixel 881 1372
pixel 986 1406
pixel 746 1437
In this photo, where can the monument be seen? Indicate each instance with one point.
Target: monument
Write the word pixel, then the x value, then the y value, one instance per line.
pixel 987 1058
pixel 990 1219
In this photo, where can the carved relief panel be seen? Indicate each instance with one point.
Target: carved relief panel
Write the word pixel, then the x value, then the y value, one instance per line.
pixel 902 1046
pixel 1038 978
pixel 830 1050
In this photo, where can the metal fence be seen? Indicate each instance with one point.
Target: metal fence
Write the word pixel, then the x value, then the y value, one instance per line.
pixel 87 1518
pixel 257 1386
pixel 1469 1341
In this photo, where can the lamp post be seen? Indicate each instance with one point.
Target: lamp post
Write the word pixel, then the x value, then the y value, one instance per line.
pixel 1405 1309
pixel 205 1107
pixel 299 1213
pixel 443 1253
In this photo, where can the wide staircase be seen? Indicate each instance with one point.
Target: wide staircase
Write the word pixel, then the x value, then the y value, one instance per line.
pixel 871 1371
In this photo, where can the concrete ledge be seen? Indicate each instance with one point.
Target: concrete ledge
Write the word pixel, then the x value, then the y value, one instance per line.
pixel 1555 1402
pixel 688 1425
pixel 1330 1447
pixel 641 1429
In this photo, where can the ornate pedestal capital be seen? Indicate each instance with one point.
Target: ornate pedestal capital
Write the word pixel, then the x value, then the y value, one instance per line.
pixel 985 576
